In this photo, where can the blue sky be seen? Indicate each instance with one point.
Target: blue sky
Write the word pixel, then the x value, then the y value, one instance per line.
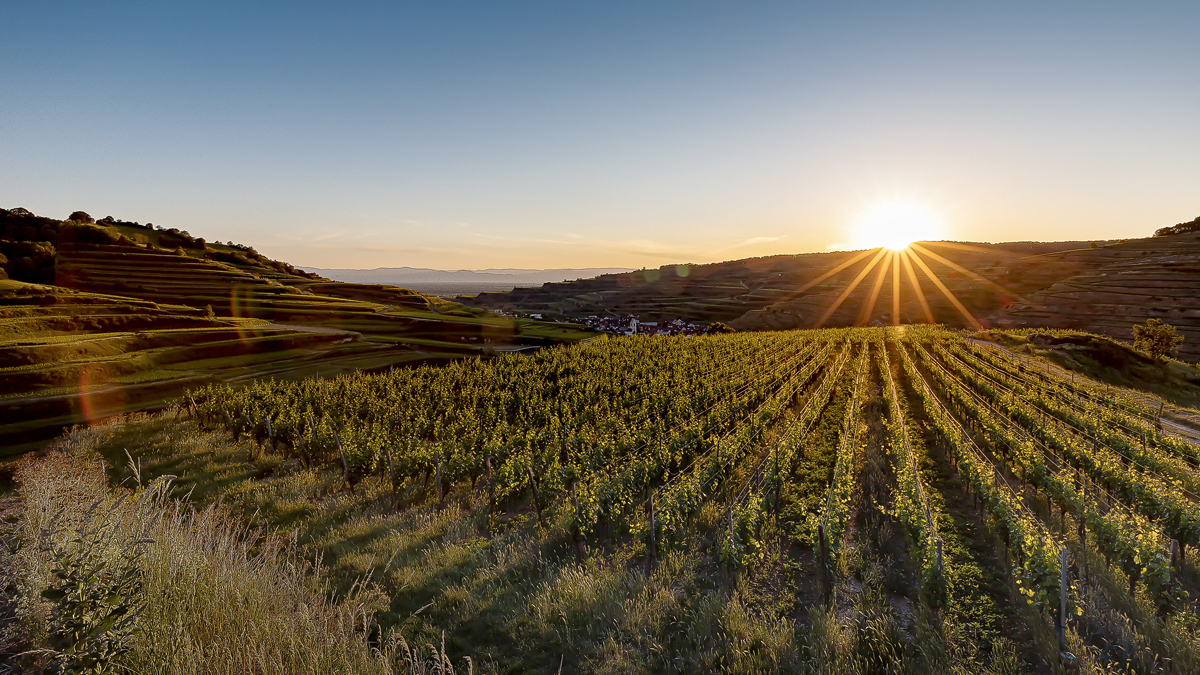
pixel 472 135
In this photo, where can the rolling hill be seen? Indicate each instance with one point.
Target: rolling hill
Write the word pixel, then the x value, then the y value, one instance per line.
pixel 1102 287
pixel 98 318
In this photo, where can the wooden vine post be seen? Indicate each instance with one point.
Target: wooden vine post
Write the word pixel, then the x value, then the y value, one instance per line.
pixel 731 562
pixel 1060 627
pixel 577 535
pixel 438 476
pixel 312 427
pixel 826 586
pixel 491 489
pixel 345 467
pixel 536 505
pixel 652 557
pixel 391 471
pixel 941 577
pixel 1083 495
pixel 303 448
pixel 778 480
pixel 1174 561
pixel 228 420
pixel 270 432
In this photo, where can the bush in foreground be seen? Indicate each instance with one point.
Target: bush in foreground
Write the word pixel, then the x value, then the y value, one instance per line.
pixel 206 594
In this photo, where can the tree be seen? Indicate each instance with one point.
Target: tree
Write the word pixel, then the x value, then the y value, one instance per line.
pixel 716 328
pixel 80 217
pixel 1181 228
pixel 1156 338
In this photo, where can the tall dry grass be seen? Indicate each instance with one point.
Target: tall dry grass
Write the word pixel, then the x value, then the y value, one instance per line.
pixel 220 597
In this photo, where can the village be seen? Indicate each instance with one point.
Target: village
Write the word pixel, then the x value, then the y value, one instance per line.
pixel 631 325
pixel 628 325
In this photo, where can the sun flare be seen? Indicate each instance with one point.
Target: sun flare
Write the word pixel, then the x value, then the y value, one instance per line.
pixel 894 225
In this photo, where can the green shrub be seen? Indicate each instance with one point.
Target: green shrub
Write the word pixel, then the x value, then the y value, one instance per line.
pixel 84 233
pixel 98 588
pixel 1157 339
pixel 1181 228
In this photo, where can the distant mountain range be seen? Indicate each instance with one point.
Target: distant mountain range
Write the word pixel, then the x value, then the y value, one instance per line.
pixel 462 281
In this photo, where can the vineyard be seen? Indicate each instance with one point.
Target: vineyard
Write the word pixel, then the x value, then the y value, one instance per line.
pixel 894 500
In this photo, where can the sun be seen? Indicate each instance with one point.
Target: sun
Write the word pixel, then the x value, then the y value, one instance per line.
pixel 894 225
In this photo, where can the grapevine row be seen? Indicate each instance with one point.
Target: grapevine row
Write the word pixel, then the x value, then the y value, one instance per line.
pixel 1122 536
pixel 1035 562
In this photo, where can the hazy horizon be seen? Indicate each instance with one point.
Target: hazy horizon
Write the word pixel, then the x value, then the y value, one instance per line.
pixel 539 135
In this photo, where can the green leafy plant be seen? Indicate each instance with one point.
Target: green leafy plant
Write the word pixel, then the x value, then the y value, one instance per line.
pixel 1156 338
pixel 97 588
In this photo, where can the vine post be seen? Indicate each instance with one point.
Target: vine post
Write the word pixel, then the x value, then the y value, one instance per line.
pixel 939 561
pixel 731 562
pixel 825 584
pixel 312 429
pixel 345 467
pixel 575 532
pixel 652 557
pixel 778 480
pixel 1060 627
pixel 1174 560
pixel 391 470
pixel 537 506
pixel 1083 500
pixel 491 488
pixel 441 497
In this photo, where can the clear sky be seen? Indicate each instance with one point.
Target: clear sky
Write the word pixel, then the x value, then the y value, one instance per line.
pixel 570 134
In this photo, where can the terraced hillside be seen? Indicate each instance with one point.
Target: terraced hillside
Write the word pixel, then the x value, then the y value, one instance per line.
pixel 786 291
pixel 1118 285
pixel 118 321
